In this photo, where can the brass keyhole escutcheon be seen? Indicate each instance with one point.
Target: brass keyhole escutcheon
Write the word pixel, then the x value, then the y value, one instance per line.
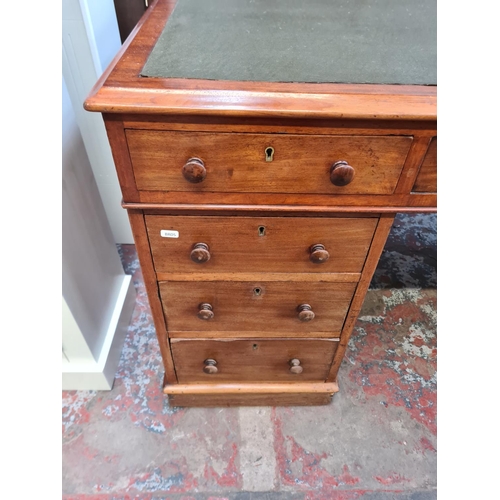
pixel 269 153
pixel 262 230
pixel 257 291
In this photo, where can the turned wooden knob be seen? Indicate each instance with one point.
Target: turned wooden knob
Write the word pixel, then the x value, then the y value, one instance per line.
pixel 341 173
pixel 194 170
pixel 318 254
pixel 205 312
pixel 305 312
pixel 295 367
pixel 210 367
pixel 200 253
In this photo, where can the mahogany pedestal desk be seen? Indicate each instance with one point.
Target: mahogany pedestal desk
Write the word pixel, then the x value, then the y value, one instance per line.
pixel 260 208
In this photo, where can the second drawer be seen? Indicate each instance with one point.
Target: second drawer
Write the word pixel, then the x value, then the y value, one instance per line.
pixel 185 244
pixel 252 308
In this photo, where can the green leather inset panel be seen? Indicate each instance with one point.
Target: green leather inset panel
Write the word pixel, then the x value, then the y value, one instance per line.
pixel 337 41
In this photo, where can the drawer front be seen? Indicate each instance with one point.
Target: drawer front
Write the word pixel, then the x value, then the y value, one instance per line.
pixel 259 244
pixel 260 306
pixel 252 360
pixel 238 163
pixel 426 181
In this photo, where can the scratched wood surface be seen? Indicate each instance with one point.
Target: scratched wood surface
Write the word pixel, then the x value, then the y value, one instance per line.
pixel 247 306
pixel 121 90
pixel 426 181
pixel 267 244
pixel 253 360
pixel 255 221
pixel 239 163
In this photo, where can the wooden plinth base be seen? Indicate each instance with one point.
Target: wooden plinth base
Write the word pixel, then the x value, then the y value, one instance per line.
pixel 213 395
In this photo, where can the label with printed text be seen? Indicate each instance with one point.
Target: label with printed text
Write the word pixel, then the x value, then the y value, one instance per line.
pixel 169 233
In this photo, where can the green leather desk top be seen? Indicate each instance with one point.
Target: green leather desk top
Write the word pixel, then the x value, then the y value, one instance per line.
pixel 316 41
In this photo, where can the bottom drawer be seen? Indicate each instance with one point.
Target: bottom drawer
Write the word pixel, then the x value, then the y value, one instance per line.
pixel 252 360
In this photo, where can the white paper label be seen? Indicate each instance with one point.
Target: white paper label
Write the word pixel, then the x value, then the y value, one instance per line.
pixel 169 233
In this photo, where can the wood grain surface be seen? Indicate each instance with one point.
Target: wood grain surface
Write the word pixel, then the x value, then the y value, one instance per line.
pixel 136 219
pixel 253 388
pixel 210 400
pixel 252 360
pixel 121 157
pixel 259 219
pixel 236 245
pixel 260 394
pixel 288 277
pixel 304 207
pixel 381 234
pixel 121 90
pixel 426 181
pixel 278 125
pixel 237 162
pixel 247 306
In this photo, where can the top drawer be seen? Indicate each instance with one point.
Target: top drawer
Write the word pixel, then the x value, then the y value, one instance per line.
pixel 266 163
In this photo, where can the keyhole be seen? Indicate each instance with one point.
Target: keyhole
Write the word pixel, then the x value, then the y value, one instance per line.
pixel 254 346
pixel 262 230
pixel 269 153
pixel 257 291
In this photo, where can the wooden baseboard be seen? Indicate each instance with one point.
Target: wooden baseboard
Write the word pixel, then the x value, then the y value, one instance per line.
pixel 263 394
pixel 224 400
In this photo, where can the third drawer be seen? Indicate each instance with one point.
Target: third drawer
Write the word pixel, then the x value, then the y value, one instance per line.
pixel 253 308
